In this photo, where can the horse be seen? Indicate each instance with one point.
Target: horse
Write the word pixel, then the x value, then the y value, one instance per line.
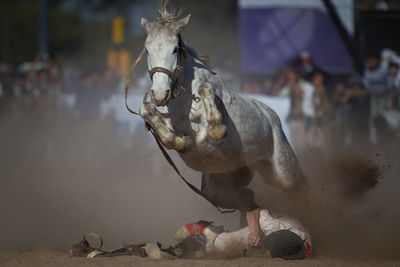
pixel 225 136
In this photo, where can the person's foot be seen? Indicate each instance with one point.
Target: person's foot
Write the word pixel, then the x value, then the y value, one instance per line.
pixel 201 228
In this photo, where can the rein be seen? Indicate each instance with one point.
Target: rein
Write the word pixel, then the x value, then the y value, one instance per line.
pixel 174 77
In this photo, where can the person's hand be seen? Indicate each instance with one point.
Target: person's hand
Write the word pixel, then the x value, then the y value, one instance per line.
pixel 254 239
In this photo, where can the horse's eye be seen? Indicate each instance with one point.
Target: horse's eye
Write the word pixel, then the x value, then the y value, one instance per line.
pixel 175 50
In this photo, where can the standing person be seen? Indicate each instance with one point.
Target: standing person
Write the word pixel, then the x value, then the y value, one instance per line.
pixel 283 237
pixel 305 64
pixel 302 111
pixel 375 80
pixel 323 108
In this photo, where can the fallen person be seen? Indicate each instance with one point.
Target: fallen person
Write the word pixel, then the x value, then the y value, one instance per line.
pixel 283 237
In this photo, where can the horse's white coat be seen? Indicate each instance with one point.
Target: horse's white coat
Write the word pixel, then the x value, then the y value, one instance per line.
pixel 253 138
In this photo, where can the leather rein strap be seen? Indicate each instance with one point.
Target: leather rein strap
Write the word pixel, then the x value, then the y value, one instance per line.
pixel 174 76
pixel 160 69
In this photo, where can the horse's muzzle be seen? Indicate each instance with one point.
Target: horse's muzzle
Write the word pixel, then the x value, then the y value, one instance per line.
pixel 161 98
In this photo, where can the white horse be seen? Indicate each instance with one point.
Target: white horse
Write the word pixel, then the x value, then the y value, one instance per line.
pixel 225 136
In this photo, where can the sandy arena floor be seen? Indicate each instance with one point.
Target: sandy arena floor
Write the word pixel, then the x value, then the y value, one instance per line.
pixel 49 257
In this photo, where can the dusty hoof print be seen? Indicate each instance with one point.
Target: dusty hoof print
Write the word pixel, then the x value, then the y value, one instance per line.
pixel 216 132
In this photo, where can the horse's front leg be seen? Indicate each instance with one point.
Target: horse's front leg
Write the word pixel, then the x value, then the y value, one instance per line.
pixel 216 129
pixel 162 126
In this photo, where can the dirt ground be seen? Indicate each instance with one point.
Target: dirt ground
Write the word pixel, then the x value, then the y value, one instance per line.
pixel 61 177
pixel 50 257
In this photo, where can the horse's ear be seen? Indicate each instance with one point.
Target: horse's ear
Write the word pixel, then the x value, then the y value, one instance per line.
pixel 144 22
pixel 182 22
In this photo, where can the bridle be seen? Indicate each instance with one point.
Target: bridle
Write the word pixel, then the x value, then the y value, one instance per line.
pixel 173 75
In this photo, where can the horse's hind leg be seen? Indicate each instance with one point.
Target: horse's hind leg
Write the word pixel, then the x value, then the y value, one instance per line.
pixel 216 129
pixel 283 168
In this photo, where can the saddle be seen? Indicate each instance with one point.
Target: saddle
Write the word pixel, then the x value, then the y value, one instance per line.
pixel 83 249
pixel 191 247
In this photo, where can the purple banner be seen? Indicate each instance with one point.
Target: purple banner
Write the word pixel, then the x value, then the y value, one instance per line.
pixel 272 37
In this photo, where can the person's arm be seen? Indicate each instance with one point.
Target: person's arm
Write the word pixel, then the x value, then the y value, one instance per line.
pixel 253 220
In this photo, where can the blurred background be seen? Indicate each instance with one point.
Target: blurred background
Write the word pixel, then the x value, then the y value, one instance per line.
pixel 73 159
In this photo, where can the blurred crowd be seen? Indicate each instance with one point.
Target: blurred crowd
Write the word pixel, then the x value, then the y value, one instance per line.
pixel 325 109
pixel 43 84
pixel 53 108
pixel 354 109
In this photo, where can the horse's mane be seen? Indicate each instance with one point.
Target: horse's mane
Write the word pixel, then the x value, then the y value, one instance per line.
pixel 165 15
pixel 202 58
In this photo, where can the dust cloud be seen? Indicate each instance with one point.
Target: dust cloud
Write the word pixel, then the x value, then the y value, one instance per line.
pixel 354 213
pixel 62 177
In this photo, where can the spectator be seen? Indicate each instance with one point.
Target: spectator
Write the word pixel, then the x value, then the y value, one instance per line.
pixel 323 109
pixel 323 105
pixel 302 108
pixel 305 64
pixel 42 83
pixel 375 80
pixel 55 80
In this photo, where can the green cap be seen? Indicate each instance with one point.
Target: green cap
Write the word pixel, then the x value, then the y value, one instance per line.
pixel 285 244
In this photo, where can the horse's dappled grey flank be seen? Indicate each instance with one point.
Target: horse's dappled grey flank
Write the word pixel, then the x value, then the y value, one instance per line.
pixel 225 136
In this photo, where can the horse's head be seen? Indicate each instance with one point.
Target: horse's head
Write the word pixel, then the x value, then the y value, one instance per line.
pixel 163 46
